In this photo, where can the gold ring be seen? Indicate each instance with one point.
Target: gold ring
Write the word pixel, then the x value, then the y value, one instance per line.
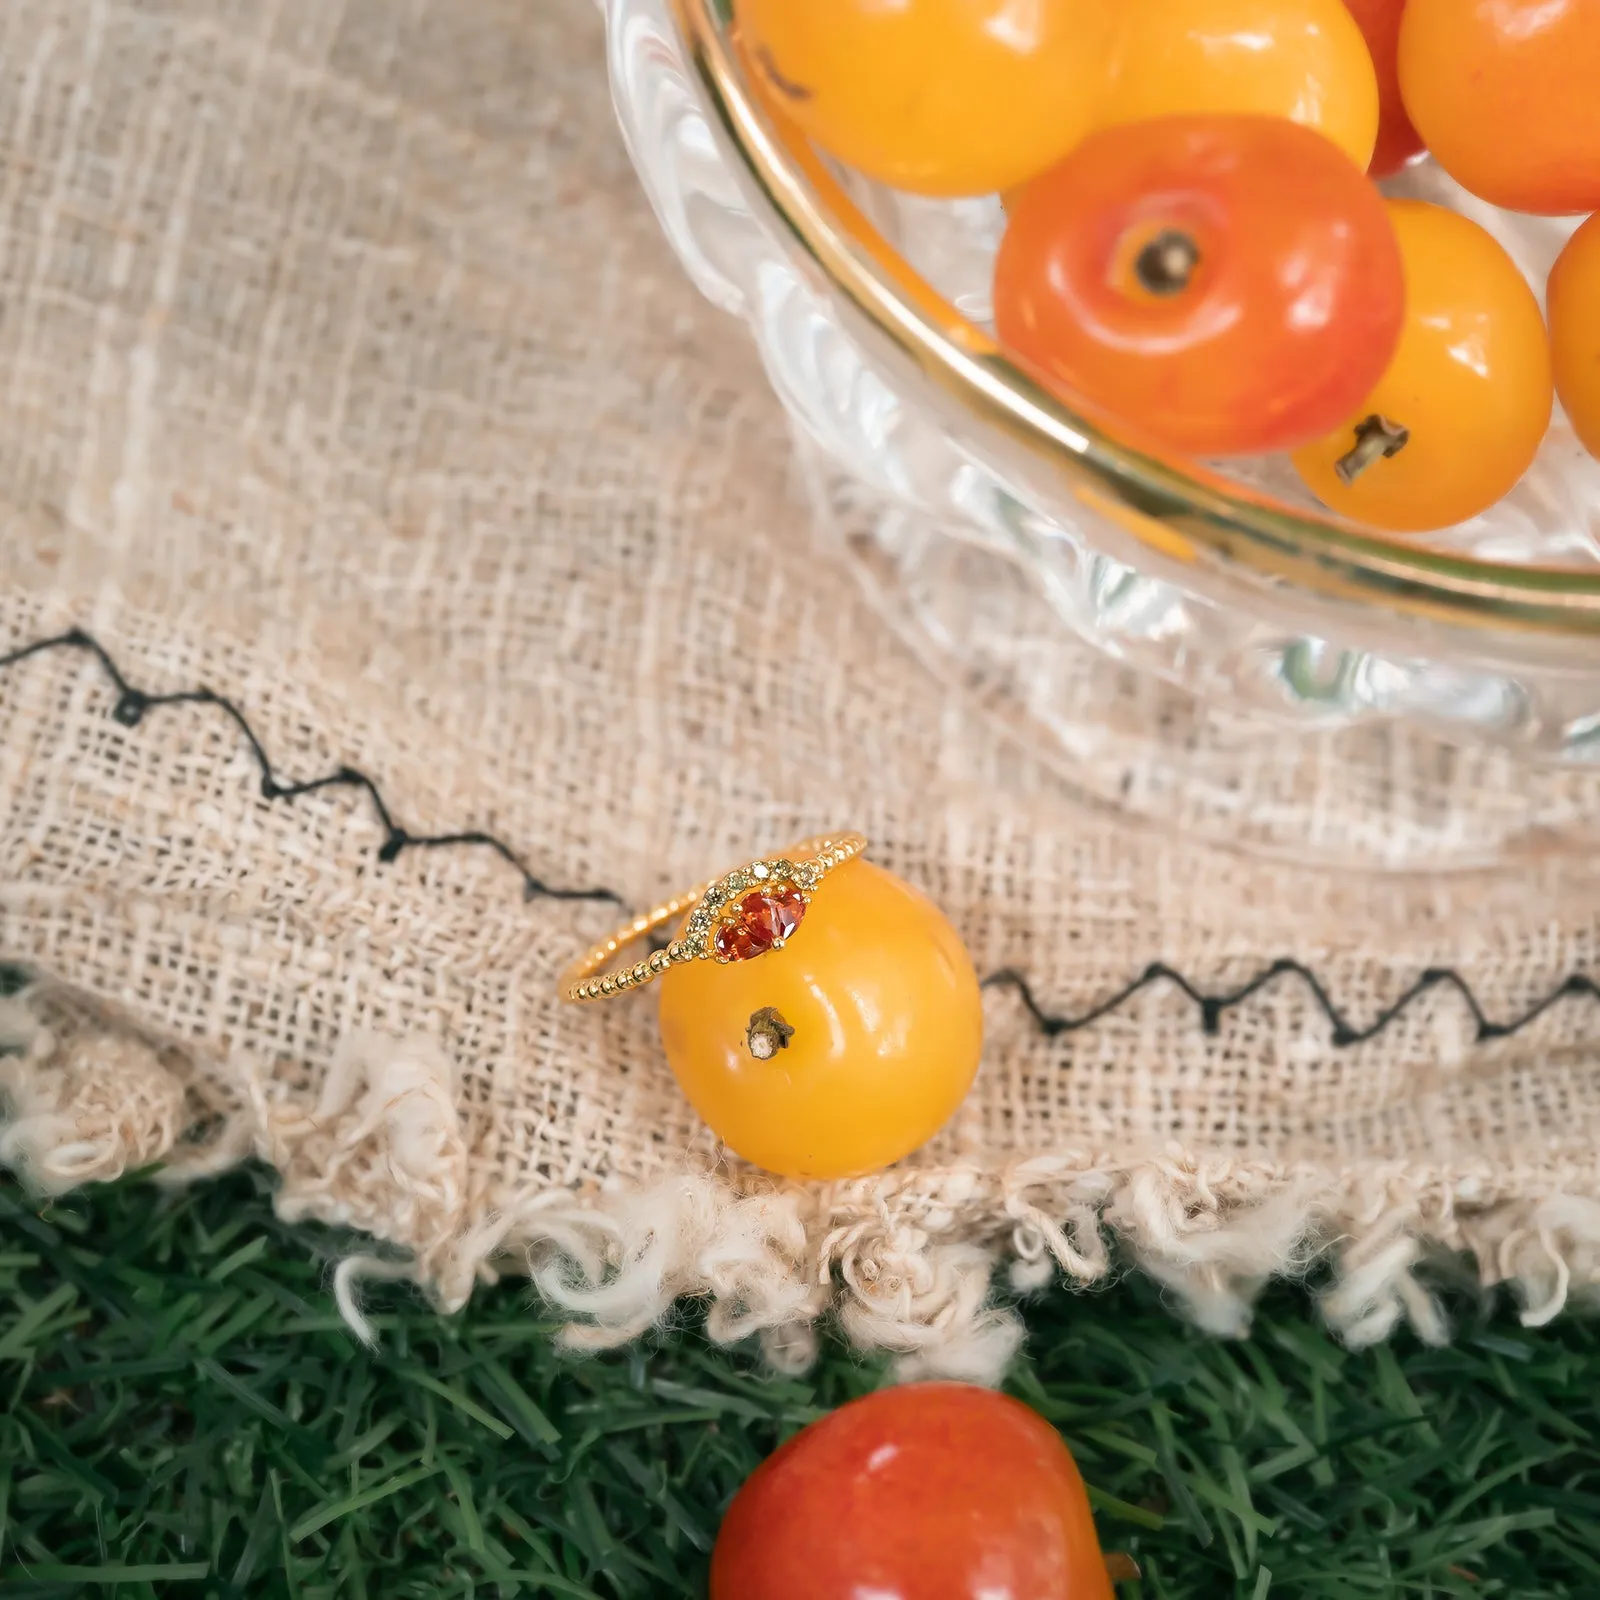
pixel 741 915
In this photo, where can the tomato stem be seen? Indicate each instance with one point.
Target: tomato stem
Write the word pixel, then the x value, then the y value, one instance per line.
pixel 1166 265
pixel 1377 439
pixel 768 1033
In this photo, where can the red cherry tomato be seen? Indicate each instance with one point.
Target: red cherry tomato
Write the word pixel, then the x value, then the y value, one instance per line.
pixel 935 1491
pixel 1507 95
pixel 1398 140
pixel 1225 284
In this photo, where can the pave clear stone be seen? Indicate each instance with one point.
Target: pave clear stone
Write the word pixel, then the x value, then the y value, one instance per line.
pixel 760 922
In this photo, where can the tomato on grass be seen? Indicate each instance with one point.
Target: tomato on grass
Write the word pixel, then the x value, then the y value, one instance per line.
pixel 935 1491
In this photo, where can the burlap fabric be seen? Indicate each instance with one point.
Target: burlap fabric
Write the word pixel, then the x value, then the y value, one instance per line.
pixel 345 374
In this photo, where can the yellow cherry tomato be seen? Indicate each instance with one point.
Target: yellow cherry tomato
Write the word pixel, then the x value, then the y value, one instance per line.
pixel 843 1050
pixel 1459 416
pixel 1573 298
pixel 1301 59
pixel 942 97
pixel 1503 92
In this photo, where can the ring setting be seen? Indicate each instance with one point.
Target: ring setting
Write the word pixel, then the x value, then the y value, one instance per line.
pixel 745 913
pixel 751 911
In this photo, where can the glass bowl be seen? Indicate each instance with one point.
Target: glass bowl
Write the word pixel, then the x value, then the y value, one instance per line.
pixel 1195 645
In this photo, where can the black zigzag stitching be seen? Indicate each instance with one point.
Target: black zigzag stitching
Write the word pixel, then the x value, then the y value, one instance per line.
pixel 1213 1007
pixel 134 704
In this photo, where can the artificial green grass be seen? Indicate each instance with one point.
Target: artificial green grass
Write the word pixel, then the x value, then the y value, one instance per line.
pixel 181 1412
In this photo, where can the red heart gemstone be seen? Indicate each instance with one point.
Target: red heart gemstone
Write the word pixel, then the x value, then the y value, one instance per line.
pixel 760 922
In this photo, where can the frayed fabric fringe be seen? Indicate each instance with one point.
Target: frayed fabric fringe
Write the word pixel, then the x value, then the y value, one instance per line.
pixel 907 1261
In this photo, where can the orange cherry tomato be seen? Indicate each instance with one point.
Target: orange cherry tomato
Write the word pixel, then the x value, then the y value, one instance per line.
pixel 1459 415
pixel 1223 284
pixel 934 1490
pixel 1303 59
pixel 1398 140
pixel 943 97
pixel 1507 95
pixel 843 1050
pixel 1573 301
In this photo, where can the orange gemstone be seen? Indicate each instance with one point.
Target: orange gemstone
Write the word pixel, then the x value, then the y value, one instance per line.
pixel 760 922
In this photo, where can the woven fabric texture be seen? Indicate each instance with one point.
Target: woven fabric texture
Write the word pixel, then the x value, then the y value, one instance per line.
pixel 346 375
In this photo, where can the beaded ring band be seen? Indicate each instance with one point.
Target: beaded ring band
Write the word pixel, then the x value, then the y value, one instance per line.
pixel 741 915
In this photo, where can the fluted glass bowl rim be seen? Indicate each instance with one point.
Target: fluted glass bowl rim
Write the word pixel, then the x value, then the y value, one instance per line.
pixel 1175 509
